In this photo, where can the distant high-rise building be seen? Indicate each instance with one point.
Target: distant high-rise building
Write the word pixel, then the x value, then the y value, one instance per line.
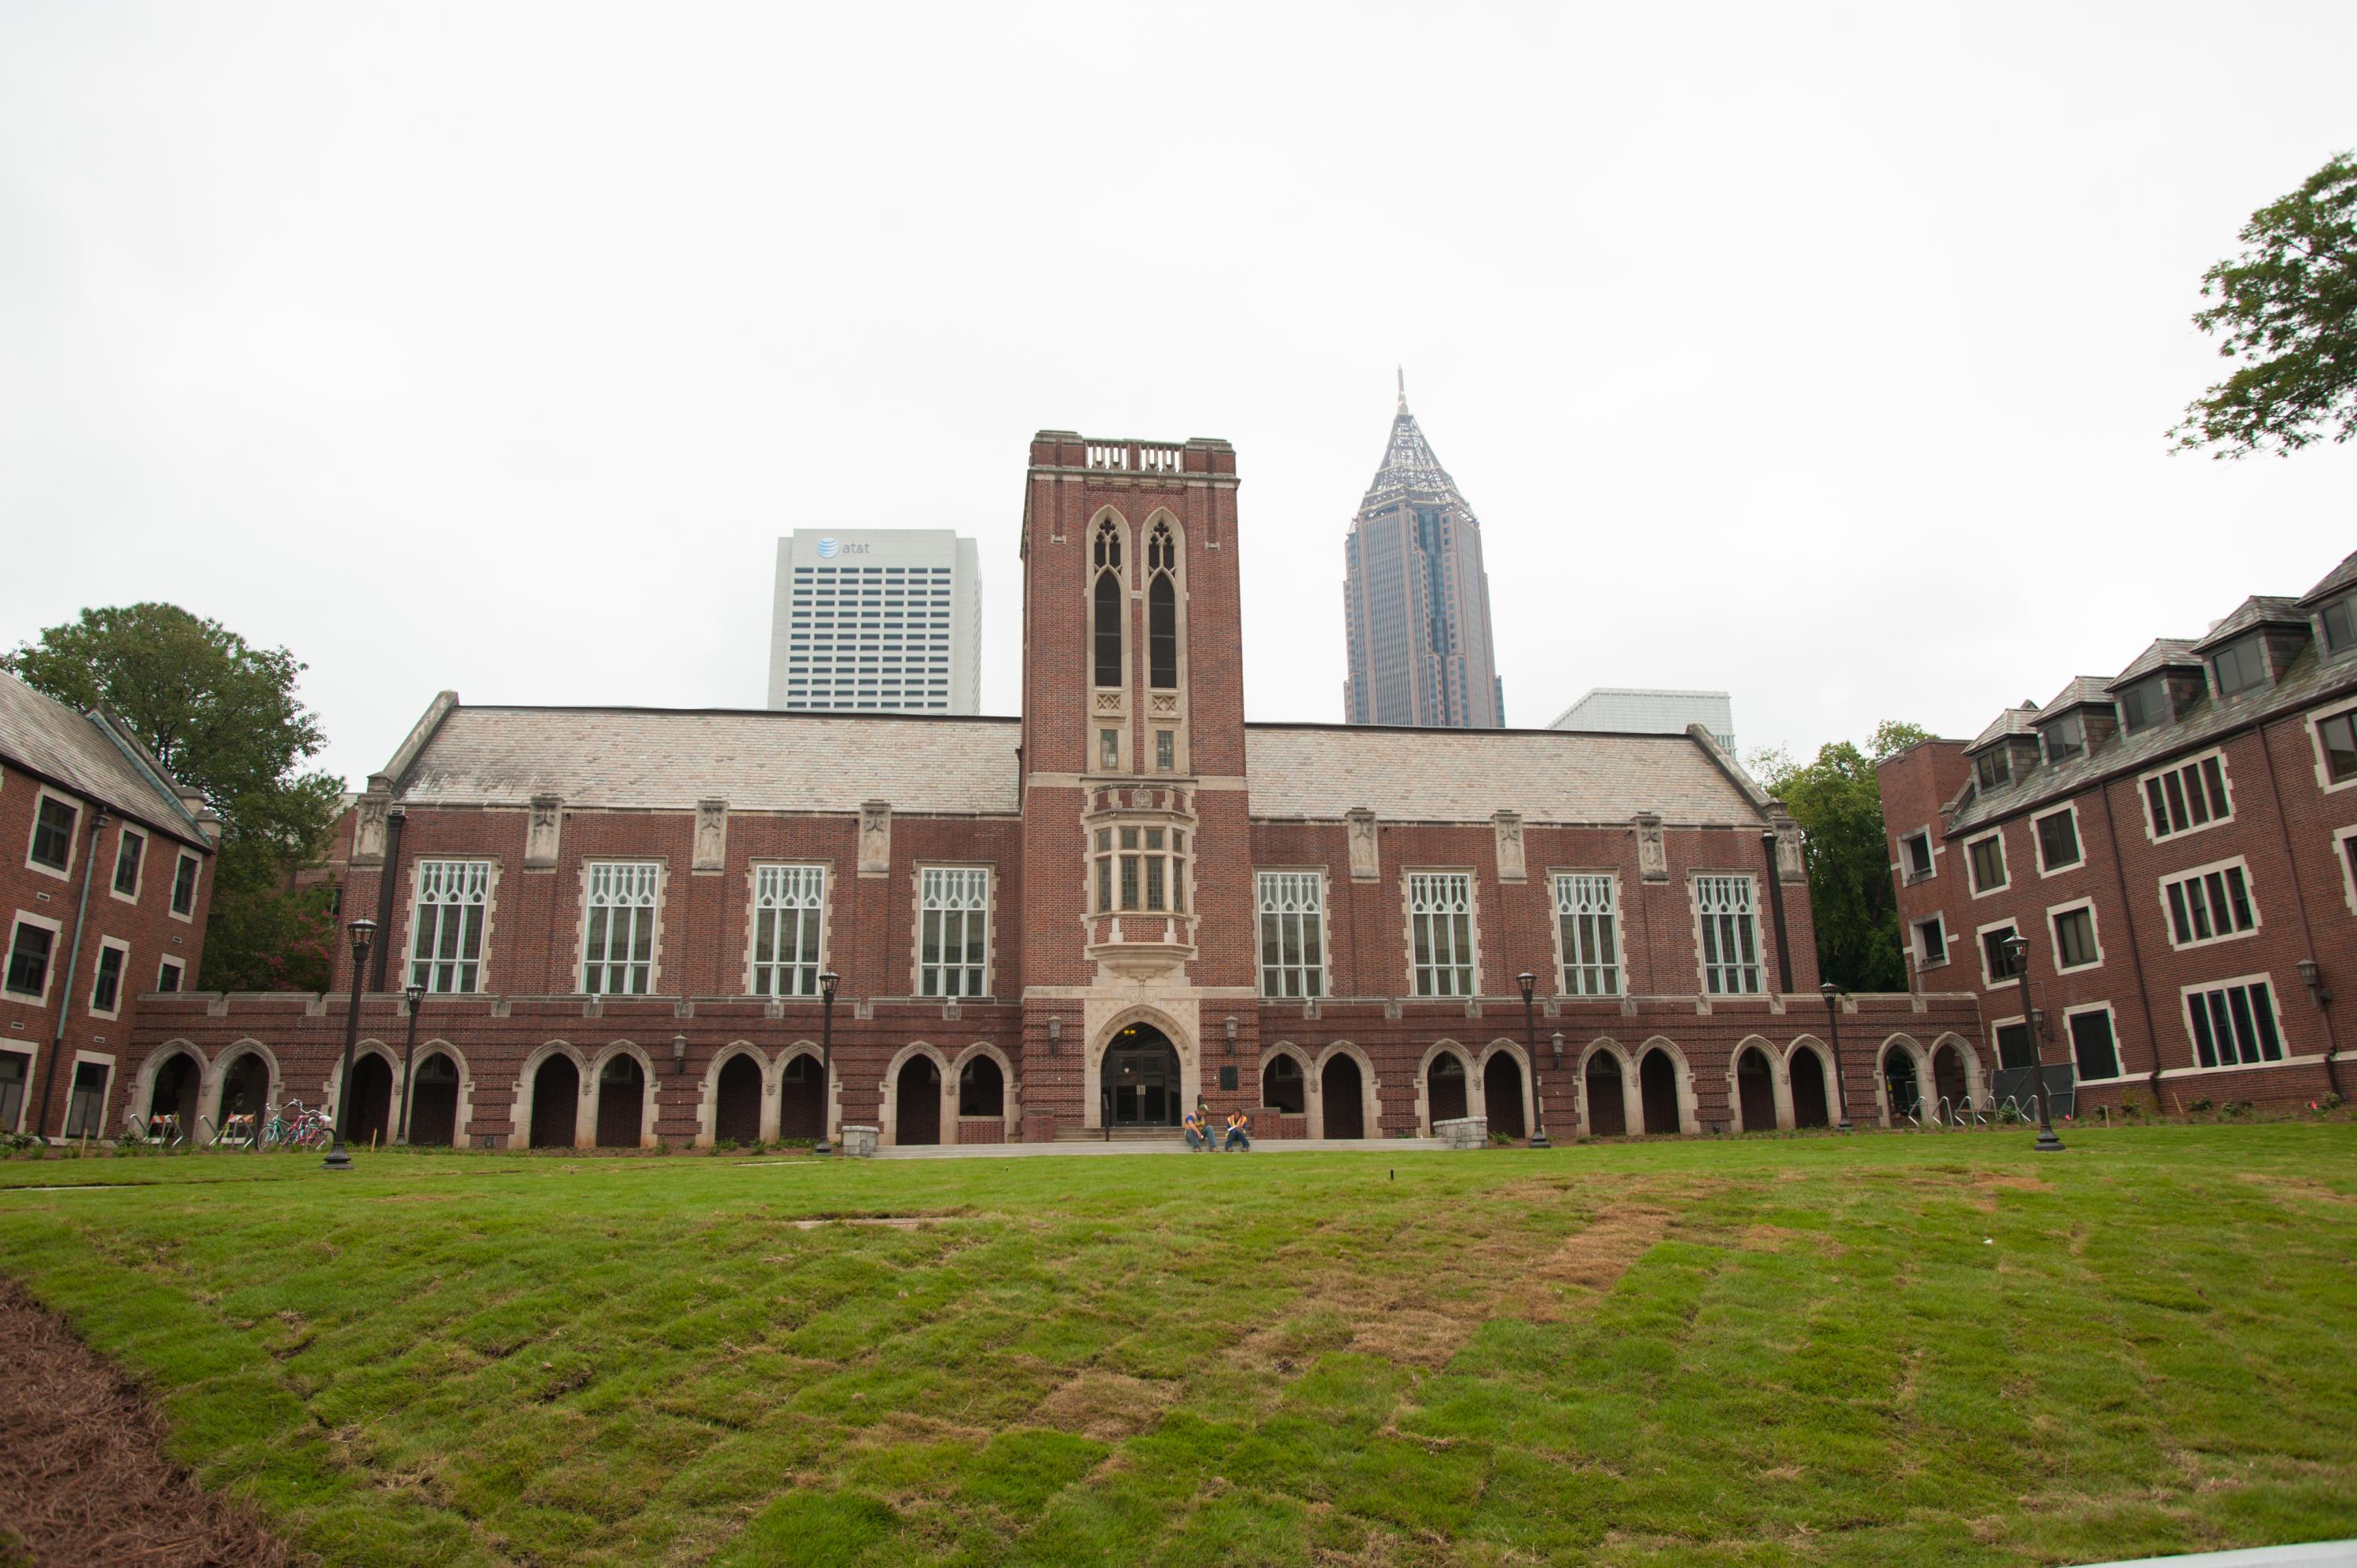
pixel 878 620
pixel 1625 710
pixel 1415 600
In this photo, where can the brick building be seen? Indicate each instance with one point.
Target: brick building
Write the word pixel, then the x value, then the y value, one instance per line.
pixel 2177 844
pixel 105 907
pixel 1073 921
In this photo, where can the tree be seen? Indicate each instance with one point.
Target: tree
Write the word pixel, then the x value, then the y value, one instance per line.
pixel 1837 802
pixel 2287 306
pixel 222 717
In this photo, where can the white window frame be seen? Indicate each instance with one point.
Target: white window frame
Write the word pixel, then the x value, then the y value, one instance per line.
pixel 2119 1066
pixel 2196 874
pixel 1614 964
pixel 2344 853
pixel 22 1048
pixel 1980 950
pixel 196 888
pixel 1294 895
pixel 2185 995
pixel 2004 854
pixel 2315 719
pixel 122 977
pixel 178 966
pixel 644 891
pixel 81 810
pixel 1915 942
pixel 1757 964
pixel 1431 887
pixel 987 910
pixel 465 868
pixel 139 881
pixel 50 972
pixel 105 1091
pixel 1933 848
pixel 2095 931
pixel 2191 764
pixel 2037 844
pixel 790 879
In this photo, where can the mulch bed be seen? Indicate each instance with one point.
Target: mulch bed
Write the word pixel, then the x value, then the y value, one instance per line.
pixel 82 1474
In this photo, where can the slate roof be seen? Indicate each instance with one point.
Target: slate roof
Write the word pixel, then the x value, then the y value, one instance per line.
pixel 2084 691
pixel 2165 653
pixel 2341 576
pixel 2314 677
pixel 1320 771
pixel 80 753
pixel 2013 721
pixel 2259 609
pixel 757 760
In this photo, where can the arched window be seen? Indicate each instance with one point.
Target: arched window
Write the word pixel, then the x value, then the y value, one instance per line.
pixel 1106 611
pixel 982 1089
pixel 1161 609
pixel 1281 1087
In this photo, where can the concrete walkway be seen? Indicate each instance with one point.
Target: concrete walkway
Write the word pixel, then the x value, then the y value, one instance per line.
pixel 1152 1147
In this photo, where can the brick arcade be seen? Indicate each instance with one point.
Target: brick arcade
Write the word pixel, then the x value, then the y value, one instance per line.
pixel 1084 917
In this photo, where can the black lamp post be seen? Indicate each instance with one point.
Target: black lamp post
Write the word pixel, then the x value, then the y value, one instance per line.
pixel 1529 983
pixel 2016 948
pixel 826 985
pixel 363 932
pixel 1832 994
pixel 415 995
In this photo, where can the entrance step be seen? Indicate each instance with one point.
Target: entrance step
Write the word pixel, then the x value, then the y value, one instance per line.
pixel 1120 1135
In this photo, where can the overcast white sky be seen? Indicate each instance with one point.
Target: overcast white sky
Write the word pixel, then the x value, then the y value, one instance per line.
pixel 1820 354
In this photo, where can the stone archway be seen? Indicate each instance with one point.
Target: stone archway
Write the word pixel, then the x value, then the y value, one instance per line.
pixel 737 1100
pixel 179 1079
pixel 434 1102
pixel 245 1090
pixel 1605 1087
pixel 622 1092
pixel 1341 1097
pixel 1285 1083
pixel 1950 1082
pixel 802 1097
pixel 1811 1105
pixel 1141 1082
pixel 555 1103
pixel 917 1102
pixel 1446 1097
pixel 1502 1094
pixel 1755 1090
pixel 370 1121
pixel 1902 1085
pixel 1657 1085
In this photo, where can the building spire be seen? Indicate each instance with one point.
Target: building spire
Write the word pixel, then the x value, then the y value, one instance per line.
pixel 1403 387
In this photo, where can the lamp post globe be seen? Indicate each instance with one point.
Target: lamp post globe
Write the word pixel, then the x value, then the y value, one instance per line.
pixel 2017 952
pixel 828 982
pixel 414 994
pixel 1529 983
pixel 364 934
pixel 1832 994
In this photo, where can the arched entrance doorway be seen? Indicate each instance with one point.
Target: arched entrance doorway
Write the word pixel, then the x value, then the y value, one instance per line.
pixel 736 1102
pixel 1657 1086
pixel 372 1120
pixel 1948 1080
pixel 621 1101
pixel 982 1089
pixel 434 1103
pixel 1444 1087
pixel 174 1096
pixel 1808 1108
pixel 802 1100
pixel 555 1088
pixel 245 1092
pixel 1341 1092
pixel 917 1102
pixel 1755 1090
pixel 1905 1096
pixel 1142 1086
pixel 1282 1088
pixel 1502 1094
pixel 1608 1104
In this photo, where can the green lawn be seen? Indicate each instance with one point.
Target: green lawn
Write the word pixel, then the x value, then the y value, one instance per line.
pixel 1921 1349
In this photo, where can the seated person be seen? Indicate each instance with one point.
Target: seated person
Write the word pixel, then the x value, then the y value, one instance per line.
pixel 1196 1137
pixel 1239 1131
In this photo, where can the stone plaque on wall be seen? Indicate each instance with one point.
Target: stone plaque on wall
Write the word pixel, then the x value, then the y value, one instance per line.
pixel 367 829
pixel 711 835
pixel 1653 852
pixel 874 838
pixel 1508 826
pixel 1366 864
pixel 540 833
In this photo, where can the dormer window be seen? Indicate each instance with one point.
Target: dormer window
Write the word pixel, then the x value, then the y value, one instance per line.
pixel 2242 666
pixel 1994 767
pixel 2144 704
pixel 2066 738
pixel 2339 621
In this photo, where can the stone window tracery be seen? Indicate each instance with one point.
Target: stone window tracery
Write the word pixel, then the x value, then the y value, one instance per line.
pixel 1292 934
pixel 618 946
pixel 1106 601
pixel 1440 926
pixel 953 949
pixel 446 927
pixel 1162 608
pixel 788 902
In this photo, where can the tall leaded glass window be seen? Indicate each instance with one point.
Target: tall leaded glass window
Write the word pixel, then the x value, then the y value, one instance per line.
pixel 1291 933
pixel 1161 609
pixel 1141 868
pixel 953 904
pixel 788 904
pixel 1730 937
pixel 1585 909
pixel 619 949
pixel 446 929
pixel 1106 604
pixel 1440 931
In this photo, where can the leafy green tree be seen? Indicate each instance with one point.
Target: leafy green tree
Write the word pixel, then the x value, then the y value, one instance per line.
pixel 1838 801
pixel 2288 306
pixel 222 716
